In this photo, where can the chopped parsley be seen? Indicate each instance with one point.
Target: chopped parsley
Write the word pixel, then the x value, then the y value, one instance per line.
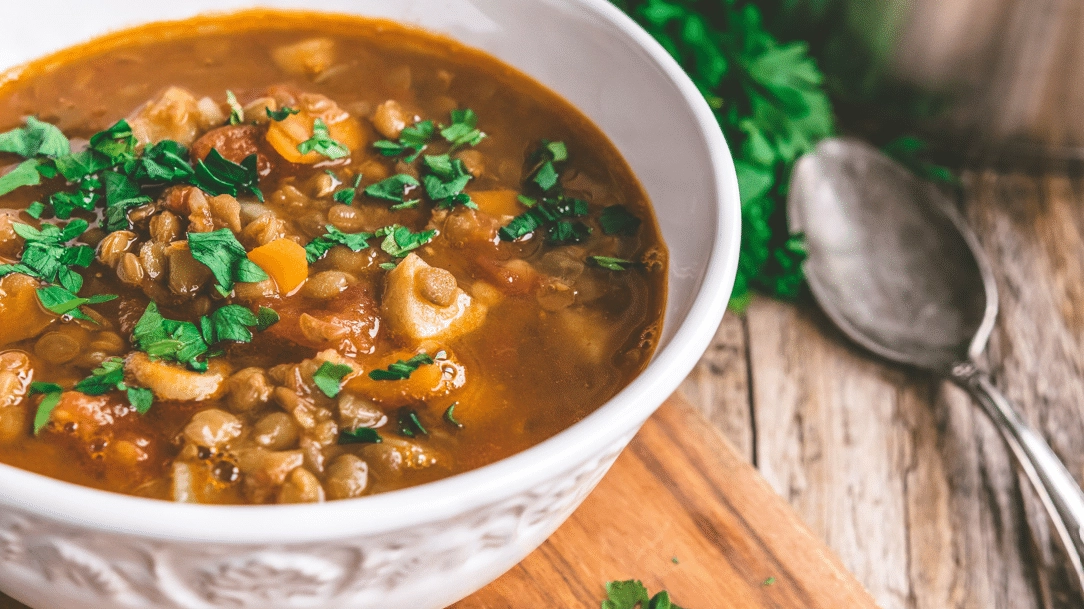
pixel 445 180
pixel 281 114
pixel 35 210
pixel 409 424
pixel 121 195
pixel 395 189
pixel 463 130
pixel 52 393
pixel 449 415
pixel 318 247
pixel 162 163
pixel 613 264
pixel 217 175
pixel 400 241
pixel 185 342
pixel 770 581
pixel 413 140
pixel 62 302
pixel 221 252
pixel 48 256
pixel 24 174
pixel 361 435
pixel 37 138
pixel 618 220
pixel 346 195
pixel 544 172
pixel 632 594
pixel 329 378
pixel 321 142
pixel 232 322
pixel 401 370
pixel 237 113
pixel 556 215
pixel 109 377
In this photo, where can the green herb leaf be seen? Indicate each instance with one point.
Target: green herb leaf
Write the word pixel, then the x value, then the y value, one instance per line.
pixel 229 323
pixel 265 318
pixel 556 215
pixel 62 302
pixel 121 195
pixel 237 113
pixel 221 252
pixel 617 220
pixel 463 130
pixel 613 264
pixel 141 399
pixel 346 195
pixel 35 210
pixel 449 415
pixel 361 435
pixel 394 188
pixel 318 247
pixel 445 180
pixel 401 370
pixel 162 163
pixel 413 140
pixel 36 138
pixel 24 174
pixel 109 376
pixel 217 175
pixel 625 594
pixel 47 257
pixel 52 393
pixel 329 378
pixel 409 424
pixel 322 143
pixel 281 114
pixel 161 338
pixel 400 241
pixel 770 581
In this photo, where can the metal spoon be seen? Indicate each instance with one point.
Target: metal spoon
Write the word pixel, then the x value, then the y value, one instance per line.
pixel 894 265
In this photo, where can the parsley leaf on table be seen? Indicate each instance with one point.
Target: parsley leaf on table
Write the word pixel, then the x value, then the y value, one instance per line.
pixel 632 594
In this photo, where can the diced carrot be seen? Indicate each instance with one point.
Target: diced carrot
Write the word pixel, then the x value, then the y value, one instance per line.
pixel 285 135
pixel 284 260
pixel 498 202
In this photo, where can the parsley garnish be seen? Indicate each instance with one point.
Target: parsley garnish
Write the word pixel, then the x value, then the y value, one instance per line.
pixel 770 581
pixel 445 181
pixel 217 175
pixel 346 195
pixel 184 342
pixel 449 415
pixel 413 140
pixel 617 220
pixel 322 143
pixel 24 174
pixel 544 173
pixel 52 393
pixel 631 594
pixel 400 241
pixel 232 323
pixel 110 376
pixel 556 216
pixel 401 370
pixel 463 130
pixel 121 195
pixel 36 138
pixel 329 378
pixel 319 246
pixel 237 113
pixel 47 256
pixel 409 423
pixel 35 210
pixel 164 162
pixel 613 264
pixel 221 252
pixel 62 302
pixel 394 189
pixel 281 114
pixel 361 435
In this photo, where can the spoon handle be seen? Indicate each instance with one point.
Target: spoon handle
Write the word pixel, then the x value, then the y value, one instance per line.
pixel 1058 491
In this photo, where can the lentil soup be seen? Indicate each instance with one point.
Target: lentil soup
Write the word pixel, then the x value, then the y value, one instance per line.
pixel 288 257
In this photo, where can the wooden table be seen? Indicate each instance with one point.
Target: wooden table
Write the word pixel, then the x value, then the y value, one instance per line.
pixel 896 470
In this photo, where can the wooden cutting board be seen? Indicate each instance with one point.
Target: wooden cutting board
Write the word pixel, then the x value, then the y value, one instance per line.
pixel 681 512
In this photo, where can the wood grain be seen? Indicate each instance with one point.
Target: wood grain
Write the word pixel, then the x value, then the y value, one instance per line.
pixel 897 471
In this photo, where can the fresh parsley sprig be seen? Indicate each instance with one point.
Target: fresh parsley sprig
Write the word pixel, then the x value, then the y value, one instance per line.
pixel 632 594
pixel 329 377
pixel 402 369
pixel 221 252
pixel 413 140
pixel 318 247
pixel 186 343
pixel 322 143
pixel 49 256
pixel 395 189
pixel 445 180
pixel 558 216
pixel 464 129
pixel 109 376
pixel 60 301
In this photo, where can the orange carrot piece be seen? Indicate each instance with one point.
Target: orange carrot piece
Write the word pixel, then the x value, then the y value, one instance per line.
pixel 284 260
pixel 498 202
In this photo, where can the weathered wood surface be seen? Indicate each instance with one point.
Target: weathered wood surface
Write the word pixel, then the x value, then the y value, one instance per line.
pixel 897 471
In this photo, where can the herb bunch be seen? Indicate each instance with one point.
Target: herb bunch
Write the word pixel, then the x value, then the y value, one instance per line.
pixel 770 102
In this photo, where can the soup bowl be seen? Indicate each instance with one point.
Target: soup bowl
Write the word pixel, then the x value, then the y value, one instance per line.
pixel 425 547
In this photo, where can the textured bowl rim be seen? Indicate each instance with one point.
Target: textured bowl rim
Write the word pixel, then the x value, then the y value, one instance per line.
pixel 105 511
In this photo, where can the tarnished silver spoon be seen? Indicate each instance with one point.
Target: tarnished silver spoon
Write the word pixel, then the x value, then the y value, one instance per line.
pixel 894 265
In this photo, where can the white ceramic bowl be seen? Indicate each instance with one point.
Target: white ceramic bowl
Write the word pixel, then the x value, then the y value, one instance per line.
pixel 67 546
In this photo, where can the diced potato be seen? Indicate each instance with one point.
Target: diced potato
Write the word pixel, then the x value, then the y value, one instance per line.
pixel 285 261
pixel 411 313
pixel 174 382
pixel 21 313
pixel 174 115
pixel 306 58
pixel 286 135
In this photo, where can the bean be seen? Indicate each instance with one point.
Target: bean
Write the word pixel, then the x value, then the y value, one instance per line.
pixel 276 431
pixel 328 284
pixel 356 411
pixel 389 118
pixel 437 285
pixel 153 257
pixel 249 389
pixel 165 227
pixel 186 275
pixel 109 342
pixel 301 486
pixel 346 218
pixel 344 259
pixel 320 331
pixel 199 217
pixel 130 269
pixel 347 477
pixel 251 292
pixel 226 212
pixel 321 186
pixel 115 246
pixel 263 230
pixel 213 428
pixel 56 348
